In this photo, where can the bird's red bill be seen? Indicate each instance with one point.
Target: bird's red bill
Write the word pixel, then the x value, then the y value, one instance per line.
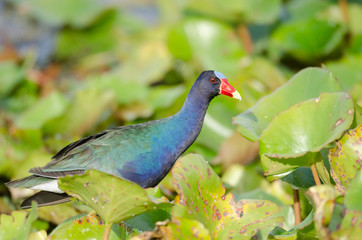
pixel 228 90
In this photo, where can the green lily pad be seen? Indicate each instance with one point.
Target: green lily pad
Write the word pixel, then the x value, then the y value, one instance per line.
pixel 151 59
pixel 353 195
pixel 126 91
pixel 346 70
pixel 297 38
pixel 304 230
pixel 308 126
pixel 207 42
pixel 78 13
pixel 17 226
pixel 11 76
pixel 346 158
pixel 113 198
pixel 313 81
pixel 43 110
pixel 89 227
pixel 276 168
pixel 301 178
pixel 147 220
pixel 85 44
pixel 202 198
pixel 86 108
pixel 306 9
pixel 355 18
pixel 257 12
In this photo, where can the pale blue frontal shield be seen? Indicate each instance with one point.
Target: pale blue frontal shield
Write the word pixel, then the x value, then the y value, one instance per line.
pixel 219 75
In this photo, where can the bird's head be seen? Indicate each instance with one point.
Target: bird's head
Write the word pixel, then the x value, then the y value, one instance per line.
pixel 214 83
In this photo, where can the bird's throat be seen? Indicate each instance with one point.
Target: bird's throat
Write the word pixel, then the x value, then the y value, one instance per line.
pixel 191 118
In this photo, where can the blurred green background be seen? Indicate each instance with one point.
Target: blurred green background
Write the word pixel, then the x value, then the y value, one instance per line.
pixel 72 68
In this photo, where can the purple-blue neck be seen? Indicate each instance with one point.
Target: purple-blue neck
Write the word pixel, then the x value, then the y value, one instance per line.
pixel 191 116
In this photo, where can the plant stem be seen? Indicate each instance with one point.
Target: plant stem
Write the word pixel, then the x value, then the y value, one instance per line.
pixel 245 37
pixel 344 9
pixel 315 174
pixel 296 207
pixel 107 231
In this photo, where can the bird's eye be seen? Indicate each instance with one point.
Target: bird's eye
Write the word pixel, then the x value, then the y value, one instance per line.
pixel 212 80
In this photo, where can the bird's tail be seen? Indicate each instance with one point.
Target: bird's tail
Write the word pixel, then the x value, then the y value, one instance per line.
pixel 27 182
pixel 50 195
pixel 44 198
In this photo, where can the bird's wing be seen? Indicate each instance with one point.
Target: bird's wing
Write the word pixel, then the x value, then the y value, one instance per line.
pixel 72 159
pixel 102 151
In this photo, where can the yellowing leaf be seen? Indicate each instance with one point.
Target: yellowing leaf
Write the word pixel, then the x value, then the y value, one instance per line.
pixel 202 198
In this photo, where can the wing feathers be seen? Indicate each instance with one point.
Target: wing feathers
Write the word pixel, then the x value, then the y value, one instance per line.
pixel 40 172
pixel 80 142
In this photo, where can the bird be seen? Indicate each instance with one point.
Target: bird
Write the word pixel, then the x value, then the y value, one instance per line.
pixel 142 153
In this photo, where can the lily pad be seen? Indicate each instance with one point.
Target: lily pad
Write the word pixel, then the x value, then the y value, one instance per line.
pixel 98 38
pixel 306 9
pixel 182 228
pixel 347 70
pixel 353 195
pixel 148 220
pixel 313 81
pixel 301 178
pixel 304 230
pixel 202 198
pixel 350 227
pixel 11 76
pixel 346 158
pixel 17 226
pixel 125 90
pixel 260 11
pixel 333 220
pixel 207 40
pixel 151 59
pixel 323 197
pixel 85 110
pixel 256 12
pixel 113 198
pixel 78 13
pixel 298 39
pixel 308 126
pixel 89 227
pixel 276 168
pixel 43 110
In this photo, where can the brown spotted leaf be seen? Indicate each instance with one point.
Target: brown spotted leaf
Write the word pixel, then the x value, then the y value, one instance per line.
pixel 333 220
pixel 350 227
pixel 346 158
pixel 182 228
pixel 323 197
pixel 202 198
pixel 90 226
